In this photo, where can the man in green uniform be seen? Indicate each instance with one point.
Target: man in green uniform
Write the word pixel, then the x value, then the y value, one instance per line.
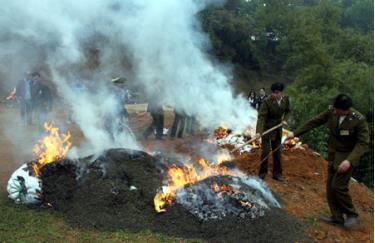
pixel 274 110
pixel 348 141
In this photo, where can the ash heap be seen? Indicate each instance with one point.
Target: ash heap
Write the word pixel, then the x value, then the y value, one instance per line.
pixel 208 190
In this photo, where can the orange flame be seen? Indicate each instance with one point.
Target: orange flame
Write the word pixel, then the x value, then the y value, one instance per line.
pixel 254 145
pixel 52 147
pixel 217 188
pixel 247 204
pixel 186 175
pixel 221 132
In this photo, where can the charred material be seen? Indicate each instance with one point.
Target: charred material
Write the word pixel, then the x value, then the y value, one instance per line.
pixel 59 182
pixel 219 196
pixel 116 191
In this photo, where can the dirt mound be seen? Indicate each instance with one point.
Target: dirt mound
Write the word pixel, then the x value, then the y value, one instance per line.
pixel 116 191
pixel 303 194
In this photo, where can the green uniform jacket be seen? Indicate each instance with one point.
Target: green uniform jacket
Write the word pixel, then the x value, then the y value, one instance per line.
pixel 349 140
pixel 272 114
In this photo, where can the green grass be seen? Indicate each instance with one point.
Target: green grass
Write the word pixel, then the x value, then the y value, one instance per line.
pixel 19 223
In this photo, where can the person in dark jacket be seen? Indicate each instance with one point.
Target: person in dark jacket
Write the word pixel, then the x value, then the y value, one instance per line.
pixel 262 96
pixel 25 93
pixel 348 141
pixel 274 110
pixel 252 99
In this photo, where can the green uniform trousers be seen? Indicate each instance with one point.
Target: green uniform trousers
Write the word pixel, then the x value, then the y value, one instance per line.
pixel 269 145
pixel 338 197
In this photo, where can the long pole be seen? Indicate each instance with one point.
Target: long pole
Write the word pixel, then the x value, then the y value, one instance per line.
pixel 253 139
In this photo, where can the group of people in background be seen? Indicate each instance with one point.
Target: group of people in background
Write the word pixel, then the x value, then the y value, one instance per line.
pixel 35 102
pixel 182 123
pixel 35 99
pixel 256 100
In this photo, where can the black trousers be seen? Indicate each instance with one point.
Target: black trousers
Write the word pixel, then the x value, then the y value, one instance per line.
pixel 191 124
pixel 156 124
pixel 26 109
pixel 269 145
pixel 178 125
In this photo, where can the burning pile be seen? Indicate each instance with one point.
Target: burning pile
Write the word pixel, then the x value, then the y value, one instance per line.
pixel 222 132
pixel 291 143
pixel 125 189
pixel 24 185
pixel 53 147
pixel 225 136
pixel 179 176
pixel 213 191
pixel 217 197
pixel 117 191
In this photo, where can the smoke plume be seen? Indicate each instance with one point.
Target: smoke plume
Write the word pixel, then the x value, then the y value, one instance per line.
pixel 159 45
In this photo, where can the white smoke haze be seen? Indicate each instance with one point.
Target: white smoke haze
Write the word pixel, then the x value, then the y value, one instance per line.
pixel 161 43
pixel 168 48
pixel 89 109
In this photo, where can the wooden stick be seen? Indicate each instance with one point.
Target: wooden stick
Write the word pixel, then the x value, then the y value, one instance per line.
pixel 253 139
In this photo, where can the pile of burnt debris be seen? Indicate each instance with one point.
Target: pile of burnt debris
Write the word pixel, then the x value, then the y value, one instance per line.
pixel 117 190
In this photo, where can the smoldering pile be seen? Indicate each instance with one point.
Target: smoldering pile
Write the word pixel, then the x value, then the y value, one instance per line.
pixel 116 191
pixel 216 197
pixel 225 137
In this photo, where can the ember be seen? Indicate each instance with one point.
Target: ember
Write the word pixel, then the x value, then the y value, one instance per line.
pixel 217 188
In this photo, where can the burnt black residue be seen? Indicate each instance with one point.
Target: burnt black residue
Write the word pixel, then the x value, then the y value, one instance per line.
pixel 116 191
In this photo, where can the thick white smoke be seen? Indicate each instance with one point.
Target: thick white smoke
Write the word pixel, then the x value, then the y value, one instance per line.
pixel 160 41
pixel 168 47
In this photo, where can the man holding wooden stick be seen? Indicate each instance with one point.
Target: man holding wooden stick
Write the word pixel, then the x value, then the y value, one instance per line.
pixel 348 141
pixel 273 111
